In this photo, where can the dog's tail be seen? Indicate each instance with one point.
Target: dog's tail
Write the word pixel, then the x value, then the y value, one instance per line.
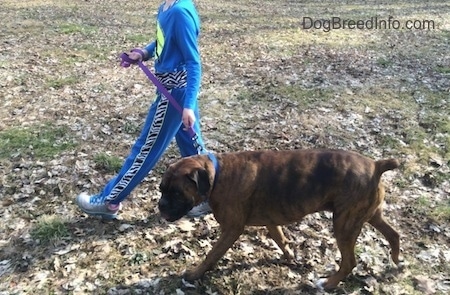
pixel 385 165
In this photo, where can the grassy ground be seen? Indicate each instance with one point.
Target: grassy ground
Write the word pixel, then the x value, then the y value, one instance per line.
pixel 69 114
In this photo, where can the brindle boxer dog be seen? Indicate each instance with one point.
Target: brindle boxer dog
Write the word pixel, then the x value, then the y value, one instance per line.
pixel 274 188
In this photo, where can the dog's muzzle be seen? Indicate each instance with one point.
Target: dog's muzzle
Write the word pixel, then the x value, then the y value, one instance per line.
pixel 173 210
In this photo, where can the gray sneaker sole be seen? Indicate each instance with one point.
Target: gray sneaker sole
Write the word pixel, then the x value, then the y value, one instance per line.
pixel 103 215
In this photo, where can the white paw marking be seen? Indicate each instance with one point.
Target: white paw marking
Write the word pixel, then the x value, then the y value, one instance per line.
pixel 320 283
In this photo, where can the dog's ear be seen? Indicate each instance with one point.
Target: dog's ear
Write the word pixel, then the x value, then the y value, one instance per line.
pixel 163 185
pixel 201 179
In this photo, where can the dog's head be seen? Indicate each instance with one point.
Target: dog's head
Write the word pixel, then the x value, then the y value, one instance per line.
pixel 184 185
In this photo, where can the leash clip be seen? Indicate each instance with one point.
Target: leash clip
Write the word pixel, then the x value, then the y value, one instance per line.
pixel 198 146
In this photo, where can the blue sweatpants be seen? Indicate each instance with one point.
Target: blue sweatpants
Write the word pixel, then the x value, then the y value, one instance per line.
pixel 163 123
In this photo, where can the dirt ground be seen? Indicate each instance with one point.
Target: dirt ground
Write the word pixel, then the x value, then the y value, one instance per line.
pixel 269 82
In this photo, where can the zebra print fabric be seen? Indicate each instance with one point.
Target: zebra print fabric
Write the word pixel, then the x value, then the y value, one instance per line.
pixel 173 80
pixel 139 167
pixel 144 152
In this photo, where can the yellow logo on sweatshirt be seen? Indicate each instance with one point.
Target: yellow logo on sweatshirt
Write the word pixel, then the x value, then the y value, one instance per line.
pixel 159 40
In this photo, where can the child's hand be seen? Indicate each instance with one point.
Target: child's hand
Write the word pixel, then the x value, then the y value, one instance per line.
pixel 135 55
pixel 132 57
pixel 188 118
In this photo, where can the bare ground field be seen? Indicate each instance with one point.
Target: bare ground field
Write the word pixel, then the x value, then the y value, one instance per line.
pixel 69 114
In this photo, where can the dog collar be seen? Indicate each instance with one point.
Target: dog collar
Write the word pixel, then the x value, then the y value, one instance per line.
pixel 213 159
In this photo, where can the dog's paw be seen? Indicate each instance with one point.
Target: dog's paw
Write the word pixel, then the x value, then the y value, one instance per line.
pixel 326 284
pixel 191 275
pixel 292 262
pixel 320 284
pixel 288 256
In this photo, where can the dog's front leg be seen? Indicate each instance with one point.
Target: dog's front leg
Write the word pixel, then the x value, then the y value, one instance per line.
pixel 276 233
pixel 225 241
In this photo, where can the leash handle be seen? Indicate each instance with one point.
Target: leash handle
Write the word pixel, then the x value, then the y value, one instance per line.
pixel 126 61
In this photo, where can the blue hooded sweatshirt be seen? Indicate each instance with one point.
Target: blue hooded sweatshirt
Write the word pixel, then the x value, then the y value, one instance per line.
pixel 176 46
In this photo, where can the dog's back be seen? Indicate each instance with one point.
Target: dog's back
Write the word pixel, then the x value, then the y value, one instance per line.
pixel 295 183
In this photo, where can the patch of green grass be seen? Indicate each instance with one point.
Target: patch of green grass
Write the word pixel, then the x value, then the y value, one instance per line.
pixel 60 82
pixel 437 127
pixel 402 182
pixel 83 52
pixel 49 228
pixel 352 284
pixel 387 141
pixel 92 50
pixel 420 206
pixel 169 285
pixel 290 93
pixel 307 97
pixel 440 177
pixel 358 250
pixel 138 38
pixel 20 79
pixel 139 258
pixel 443 69
pixel 423 202
pixel 444 35
pixel 80 56
pixel 421 120
pixel 108 163
pixel 70 28
pixel 424 206
pixel 42 141
pixel 408 282
pixel 434 123
pixel 382 100
pixel 131 128
pixel 415 137
pixel 442 212
pixel 383 62
pixel 417 267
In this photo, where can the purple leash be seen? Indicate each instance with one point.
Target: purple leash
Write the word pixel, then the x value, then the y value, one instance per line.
pixel 127 61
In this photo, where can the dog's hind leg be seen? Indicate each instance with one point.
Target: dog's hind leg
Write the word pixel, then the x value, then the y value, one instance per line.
pixel 378 222
pixel 225 241
pixel 276 233
pixel 346 232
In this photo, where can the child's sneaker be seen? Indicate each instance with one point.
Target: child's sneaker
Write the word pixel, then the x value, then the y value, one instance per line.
pixel 200 210
pixel 95 205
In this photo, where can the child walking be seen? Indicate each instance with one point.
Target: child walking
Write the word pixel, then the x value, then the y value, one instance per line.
pixel 178 67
